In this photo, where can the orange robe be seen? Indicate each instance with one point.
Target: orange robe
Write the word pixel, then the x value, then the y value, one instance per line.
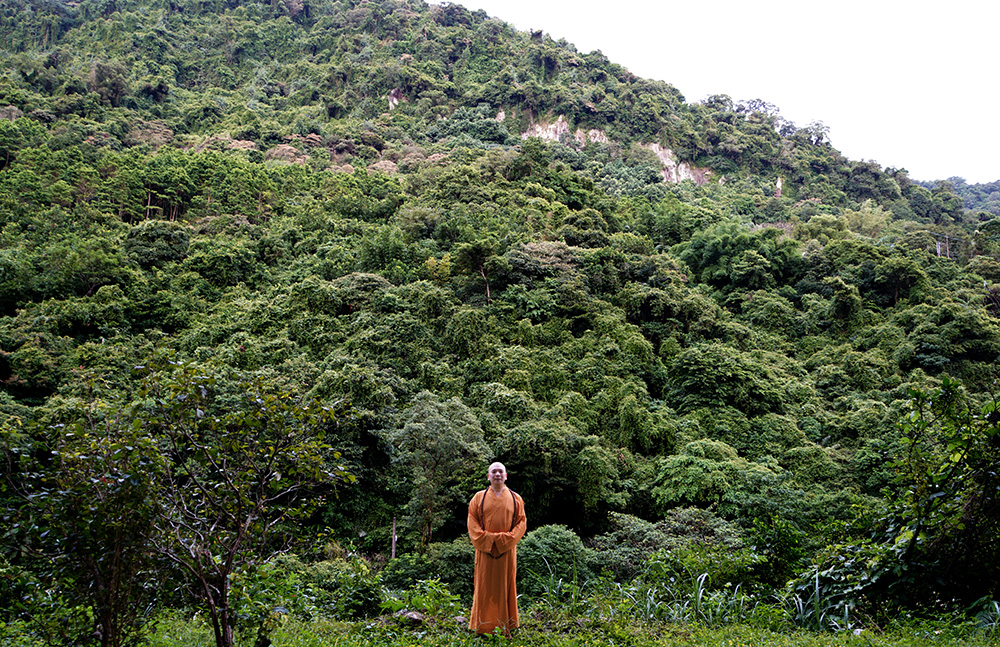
pixel 494 600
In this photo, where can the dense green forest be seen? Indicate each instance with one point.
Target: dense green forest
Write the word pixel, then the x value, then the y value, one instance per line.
pixel 279 279
pixel 976 197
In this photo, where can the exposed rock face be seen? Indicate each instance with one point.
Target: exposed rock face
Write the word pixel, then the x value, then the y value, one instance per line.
pixel 154 133
pixel 312 140
pixel 549 132
pixel 242 144
pixel 11 113
pixel 556 131
pixel 394 97
pixel 594 135
pixel 673 171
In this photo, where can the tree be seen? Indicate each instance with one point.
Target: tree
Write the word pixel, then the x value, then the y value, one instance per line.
pixel 713 374
pixel 718 256
pixel 897 278
pixel 154 243
pixel 87 508
pixel 947 207
pixel 436 450
pixel 552 462
pixel 944 529
pixel 17 135
pixel 373 197
pixel 868 220
pixel 238 471
pixel 476 258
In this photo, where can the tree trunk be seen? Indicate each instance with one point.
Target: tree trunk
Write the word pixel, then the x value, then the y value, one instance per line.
pixel 218 609
pixel 483 274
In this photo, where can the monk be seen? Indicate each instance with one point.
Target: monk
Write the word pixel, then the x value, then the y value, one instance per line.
pixel 496 524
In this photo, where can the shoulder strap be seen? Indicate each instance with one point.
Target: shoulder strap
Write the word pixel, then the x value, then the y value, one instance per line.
pixel 482 502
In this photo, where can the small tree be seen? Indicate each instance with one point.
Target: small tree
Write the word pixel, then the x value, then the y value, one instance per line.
pixel 84 509
pixel 434 449
pixel 946 519
pixel 234 478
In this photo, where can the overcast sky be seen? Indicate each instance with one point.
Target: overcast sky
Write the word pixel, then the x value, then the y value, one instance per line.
pixel 912 85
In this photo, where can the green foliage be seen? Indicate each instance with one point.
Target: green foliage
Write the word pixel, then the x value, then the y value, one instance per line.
pixel 624 550
pixel 452 563
pixel 205 480
pixel 762 625
pixel 702 542
pixel 825 600
pixel 478 124
pixel 16 135
pixel 943 527
pixel 435 451
pixel 373 197
pixel 430 598
pixel 713 374
pixel 690 542
pixel 550 462
pixel 727 256
pixel 343 588
pixel 780 545
pixel 88 511
pixel 153 243
pixel 39 615
pixel 549 557
pixel 344 200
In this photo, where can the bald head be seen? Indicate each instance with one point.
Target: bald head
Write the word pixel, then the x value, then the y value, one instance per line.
pixel 497 476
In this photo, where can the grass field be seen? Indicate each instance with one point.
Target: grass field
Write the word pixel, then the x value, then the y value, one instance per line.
pixel 322 633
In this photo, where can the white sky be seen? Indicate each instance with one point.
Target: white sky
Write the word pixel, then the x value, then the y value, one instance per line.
pixel 912 84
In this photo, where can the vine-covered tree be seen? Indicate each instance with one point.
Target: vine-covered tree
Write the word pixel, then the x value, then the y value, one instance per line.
pixel 437 450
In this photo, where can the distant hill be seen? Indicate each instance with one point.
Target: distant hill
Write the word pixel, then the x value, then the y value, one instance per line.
pixel 131 73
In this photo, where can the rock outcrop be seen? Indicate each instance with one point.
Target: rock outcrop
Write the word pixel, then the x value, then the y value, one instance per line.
pixel 673 170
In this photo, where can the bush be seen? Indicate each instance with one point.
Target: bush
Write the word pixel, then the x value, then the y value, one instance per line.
pixel 345 589
pixel 717 566
pixel 549 557
pixel 429 597
pixel 452 563
pixel 685 545
pixel 153 243
pixel 624 551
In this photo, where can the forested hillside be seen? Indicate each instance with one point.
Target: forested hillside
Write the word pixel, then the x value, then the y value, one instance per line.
pixel 298 271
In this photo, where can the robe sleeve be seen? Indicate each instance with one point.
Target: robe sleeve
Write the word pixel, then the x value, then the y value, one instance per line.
pixel 481 539
pixel 507 540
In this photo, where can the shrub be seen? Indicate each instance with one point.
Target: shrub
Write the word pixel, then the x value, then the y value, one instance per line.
pixel 452 563
pixel 336 588
pixel 549 557
pixel 153 243
pixel 429 597
pixel 624 551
